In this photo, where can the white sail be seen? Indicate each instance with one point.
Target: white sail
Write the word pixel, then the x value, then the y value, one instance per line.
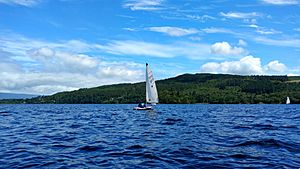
pixel 151 91
pixel 288 100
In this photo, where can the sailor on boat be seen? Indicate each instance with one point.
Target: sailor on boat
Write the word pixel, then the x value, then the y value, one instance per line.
pixel 141 105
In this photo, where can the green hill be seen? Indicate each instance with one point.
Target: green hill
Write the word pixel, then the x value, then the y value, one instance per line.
pixel 188 88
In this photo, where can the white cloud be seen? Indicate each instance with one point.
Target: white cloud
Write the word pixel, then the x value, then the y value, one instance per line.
pixel 173 31
pixel 68 61
pixel 248 65
pixel 253 26
pixel 240 15
pixel 267 32
pixel 195 38
pixel 245 66
pixel 297 29
pixel 118 71
pixel 217 30
pixel 202 18
pixel 263 30
pixel 211 67
pixel 276 67
pixel 27 3
pixel 43 52
pixel 63 61
pixel 295 43
pixel 49 82
pixel 242 42
pixel 293 74
pixel 19 45
pixel 140 48
pixel 281 2
pixel 145 5
pixel 129 29
pixel 224 48
pixel 53 67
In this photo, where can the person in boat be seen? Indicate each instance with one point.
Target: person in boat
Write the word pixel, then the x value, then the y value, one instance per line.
pixel 141 105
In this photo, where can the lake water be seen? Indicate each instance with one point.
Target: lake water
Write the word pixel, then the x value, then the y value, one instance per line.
pixel 172 136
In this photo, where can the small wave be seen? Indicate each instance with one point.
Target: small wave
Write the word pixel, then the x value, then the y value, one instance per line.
pixel 29 165
pixel 145 125
pixel 264 143
pixel 75 126
pixel 265 127
pixel 4 113
pixel 242 156
pixel 271 143
pixel 90 148
pixel 175 120
pixel 289 126
pixel 135 147
pixel 147 155
pixel 47 164
pixel 151 156
pixel 170 121
pixel 61 146
pixel 241 127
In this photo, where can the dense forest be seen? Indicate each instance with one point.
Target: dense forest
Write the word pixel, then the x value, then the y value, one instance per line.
pixel 187 88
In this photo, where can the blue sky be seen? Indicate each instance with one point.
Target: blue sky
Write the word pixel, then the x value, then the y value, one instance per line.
pixel 51 46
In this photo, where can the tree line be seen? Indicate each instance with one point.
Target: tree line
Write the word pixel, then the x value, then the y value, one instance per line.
pixel 187 88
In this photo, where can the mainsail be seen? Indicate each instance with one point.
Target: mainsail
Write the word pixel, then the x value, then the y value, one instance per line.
pixel 151 91
pixel 288 100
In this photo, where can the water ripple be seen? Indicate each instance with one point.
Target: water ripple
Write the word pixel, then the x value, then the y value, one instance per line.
pixel 172 136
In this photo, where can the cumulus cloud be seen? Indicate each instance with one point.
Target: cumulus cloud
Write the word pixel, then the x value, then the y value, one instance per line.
pixel 49 82
pixel 248 65
pixel 40 67
pixel 144 5
pixel 27 3
pixel 276 67
pixel 173 31
pixel 63 61
pixel 43 53
pixel 281 2
pixel 292 74
pixel 224 48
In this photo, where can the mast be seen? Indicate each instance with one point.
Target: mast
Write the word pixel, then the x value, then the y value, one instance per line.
pixel 151 91
pixel 146 83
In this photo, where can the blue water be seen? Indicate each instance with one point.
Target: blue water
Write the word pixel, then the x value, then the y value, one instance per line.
pixel 172 136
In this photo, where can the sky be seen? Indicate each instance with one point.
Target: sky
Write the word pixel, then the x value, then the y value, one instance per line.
pixel 48 46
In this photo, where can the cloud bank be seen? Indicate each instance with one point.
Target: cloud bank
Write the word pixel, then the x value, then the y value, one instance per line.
pixel 247 65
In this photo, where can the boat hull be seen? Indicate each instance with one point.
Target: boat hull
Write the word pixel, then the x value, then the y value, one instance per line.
pixel 143 108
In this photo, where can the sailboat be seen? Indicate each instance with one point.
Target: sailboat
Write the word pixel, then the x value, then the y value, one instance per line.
pixel 151 91
pixel 288 100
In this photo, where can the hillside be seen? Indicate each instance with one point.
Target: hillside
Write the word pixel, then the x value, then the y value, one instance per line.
pixel 188 88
